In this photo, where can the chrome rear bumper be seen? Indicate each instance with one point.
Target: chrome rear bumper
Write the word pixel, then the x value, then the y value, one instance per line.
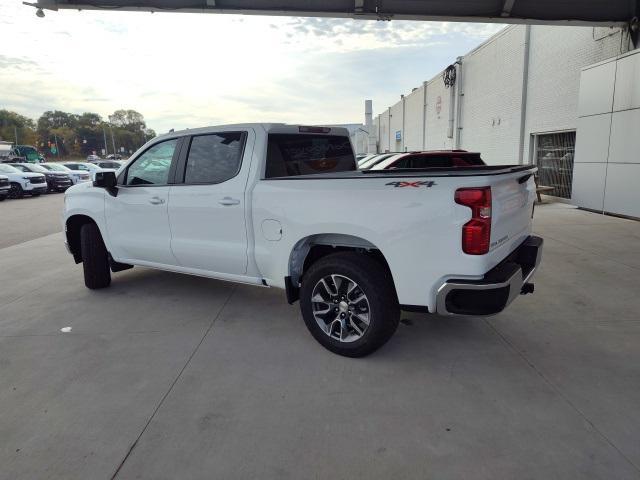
pixel 497 289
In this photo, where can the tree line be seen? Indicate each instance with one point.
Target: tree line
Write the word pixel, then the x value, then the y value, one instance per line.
pixel 61 134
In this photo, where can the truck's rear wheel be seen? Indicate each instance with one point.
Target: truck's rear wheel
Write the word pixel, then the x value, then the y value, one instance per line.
pixel 349 303
pixel 95 259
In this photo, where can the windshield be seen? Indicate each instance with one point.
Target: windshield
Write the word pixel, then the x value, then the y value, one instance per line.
pixel 30 168
pixel 55 167
pixel 8 169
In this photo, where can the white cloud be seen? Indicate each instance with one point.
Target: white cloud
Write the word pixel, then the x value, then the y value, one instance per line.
pixel 187 70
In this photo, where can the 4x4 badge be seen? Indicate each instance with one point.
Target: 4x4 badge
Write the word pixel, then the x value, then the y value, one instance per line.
pixel 418 184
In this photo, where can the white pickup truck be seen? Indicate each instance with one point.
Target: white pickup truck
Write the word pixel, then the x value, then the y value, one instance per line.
pixel 284 206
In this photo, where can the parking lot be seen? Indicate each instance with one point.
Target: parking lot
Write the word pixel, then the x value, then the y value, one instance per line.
pixel 170 376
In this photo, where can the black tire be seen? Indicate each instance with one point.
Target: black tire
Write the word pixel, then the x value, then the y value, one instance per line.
pixel 3 198
pixel 95 260
pixel 16 191
pixel 375 282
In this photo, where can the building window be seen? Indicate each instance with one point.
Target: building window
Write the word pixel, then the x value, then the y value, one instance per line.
pixel 554 158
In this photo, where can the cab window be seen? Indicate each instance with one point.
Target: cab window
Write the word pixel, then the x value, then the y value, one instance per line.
pixel 153 166
pixel 214 158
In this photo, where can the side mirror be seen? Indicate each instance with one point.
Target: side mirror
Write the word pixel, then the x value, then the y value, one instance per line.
pixel 106 180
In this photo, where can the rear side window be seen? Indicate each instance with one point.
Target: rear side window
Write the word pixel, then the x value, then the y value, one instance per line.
pixel 290 155
pixel 214 158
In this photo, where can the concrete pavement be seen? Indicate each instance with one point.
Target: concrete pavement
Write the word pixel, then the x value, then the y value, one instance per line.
pixel 29 218
pixel 170 376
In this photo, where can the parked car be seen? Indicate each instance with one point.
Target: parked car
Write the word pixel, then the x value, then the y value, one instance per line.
pixel 76 176
pixel 23 182
pixel 364 157
pixel 91 168
pixel 4 187
pixel 93 158
pixel 273 205
pixel 432 159
pixel 56 181
pixel 114 156
pixel 374 160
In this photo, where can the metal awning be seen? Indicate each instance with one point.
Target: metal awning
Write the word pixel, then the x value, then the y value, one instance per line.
pixel 576 12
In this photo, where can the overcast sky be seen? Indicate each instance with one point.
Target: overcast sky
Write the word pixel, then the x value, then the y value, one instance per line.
pixel 187 70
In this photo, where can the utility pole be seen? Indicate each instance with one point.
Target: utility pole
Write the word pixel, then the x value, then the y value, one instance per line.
pixel 113 142
pixel 15 131
pixel 104 135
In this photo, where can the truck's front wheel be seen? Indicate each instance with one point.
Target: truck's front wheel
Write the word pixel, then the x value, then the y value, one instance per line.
pixel 95 259
pixel 349 303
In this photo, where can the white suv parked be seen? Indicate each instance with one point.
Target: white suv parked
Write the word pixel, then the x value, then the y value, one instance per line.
pixel 22 182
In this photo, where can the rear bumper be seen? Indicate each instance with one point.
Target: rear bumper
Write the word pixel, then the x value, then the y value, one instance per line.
pixel 497 289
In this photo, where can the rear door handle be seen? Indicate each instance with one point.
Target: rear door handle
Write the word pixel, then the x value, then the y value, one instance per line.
pixel 229 201
pixel 156 201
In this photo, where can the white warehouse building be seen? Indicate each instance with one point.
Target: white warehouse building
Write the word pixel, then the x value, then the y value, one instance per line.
pixel 517 98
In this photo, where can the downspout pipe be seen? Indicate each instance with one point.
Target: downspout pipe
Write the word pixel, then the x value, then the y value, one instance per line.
pixel 424 116
pixel 403 148
pixel 389 150
pixel 525 88
pixel 458 102
pixel 452 102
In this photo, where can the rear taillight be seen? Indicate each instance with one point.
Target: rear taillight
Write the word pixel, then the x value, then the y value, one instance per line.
pixel 476 233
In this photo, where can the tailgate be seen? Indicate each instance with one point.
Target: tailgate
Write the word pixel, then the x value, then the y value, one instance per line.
pixel 512 200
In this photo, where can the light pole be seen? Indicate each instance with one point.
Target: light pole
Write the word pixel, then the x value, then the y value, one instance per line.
pixel 113 142
pixel 104 136
pixel 144 135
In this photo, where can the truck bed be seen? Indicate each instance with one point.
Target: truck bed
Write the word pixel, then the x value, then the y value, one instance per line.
pixel 478 171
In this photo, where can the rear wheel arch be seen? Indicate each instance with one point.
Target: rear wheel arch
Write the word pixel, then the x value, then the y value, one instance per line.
pixel 310 249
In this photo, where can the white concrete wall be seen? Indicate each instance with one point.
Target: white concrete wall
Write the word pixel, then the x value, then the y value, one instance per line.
pixel 607 163
pixel 492 78
pixel 437 115
pixel 383 141
pixel 396 125
pixel 376 134
pixel 414 119
pixel 492 86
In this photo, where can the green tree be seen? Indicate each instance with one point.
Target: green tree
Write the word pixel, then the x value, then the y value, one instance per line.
pixel 89 131
pixel 12 123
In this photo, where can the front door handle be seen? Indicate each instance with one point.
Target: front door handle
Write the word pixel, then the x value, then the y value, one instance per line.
pixel 229 201
pixel 156 201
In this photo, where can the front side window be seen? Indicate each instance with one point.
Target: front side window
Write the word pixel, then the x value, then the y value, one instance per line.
pixel 153 166
pixel 214 158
